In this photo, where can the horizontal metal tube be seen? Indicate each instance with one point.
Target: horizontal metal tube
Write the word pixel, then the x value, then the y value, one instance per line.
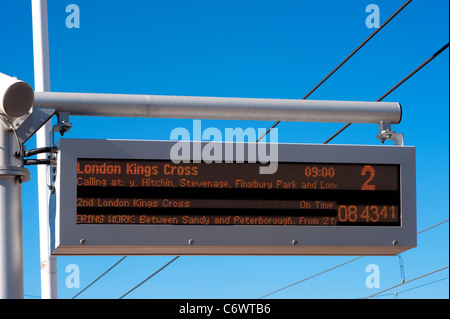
pixel 191 107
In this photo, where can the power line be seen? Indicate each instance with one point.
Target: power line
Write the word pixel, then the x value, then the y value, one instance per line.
pixel 423 285
pixel 320 273
pixel 344 263
pixel 344 61
pixel 149 277
pixel 424 230
pixel 394 87
pixel 100 277
pixel 433 226
pixel 430 273
pixel 416 287
pixel 400 259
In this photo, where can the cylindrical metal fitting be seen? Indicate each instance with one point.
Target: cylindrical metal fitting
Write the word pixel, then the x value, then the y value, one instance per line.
pixel 191 107
pixel 16 97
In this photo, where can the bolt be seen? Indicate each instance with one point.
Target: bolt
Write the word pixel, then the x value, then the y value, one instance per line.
pixel 294 242
pixel 191 242
pixel 395 243
pixel 83 242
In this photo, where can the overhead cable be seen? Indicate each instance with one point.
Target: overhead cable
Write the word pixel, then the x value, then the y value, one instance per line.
pixel 342 264
pixel 394 87
pixel 430 273
pixel 149 277
pixel 344 61
pixel 100 277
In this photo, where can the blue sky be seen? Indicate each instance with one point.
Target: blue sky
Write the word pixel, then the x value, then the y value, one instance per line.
pixel 262 49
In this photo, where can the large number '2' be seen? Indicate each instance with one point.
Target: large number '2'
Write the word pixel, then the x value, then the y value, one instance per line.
pixel 366 186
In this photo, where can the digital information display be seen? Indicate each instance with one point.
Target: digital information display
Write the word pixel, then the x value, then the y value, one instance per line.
pixel 298 194
pixel 127 197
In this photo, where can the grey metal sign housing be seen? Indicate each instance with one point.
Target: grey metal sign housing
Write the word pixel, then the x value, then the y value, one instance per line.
pixel 323 200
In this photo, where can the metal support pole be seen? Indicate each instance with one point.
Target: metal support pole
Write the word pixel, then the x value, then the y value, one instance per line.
pixel 43 138
pixel 192 107
pixel 12 174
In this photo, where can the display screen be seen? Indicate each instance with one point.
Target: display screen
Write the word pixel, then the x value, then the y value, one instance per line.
pixel 160 192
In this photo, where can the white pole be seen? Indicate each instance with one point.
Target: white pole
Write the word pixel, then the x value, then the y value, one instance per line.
pixel 43 138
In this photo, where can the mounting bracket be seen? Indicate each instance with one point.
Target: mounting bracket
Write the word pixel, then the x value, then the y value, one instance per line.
pixel 385 133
